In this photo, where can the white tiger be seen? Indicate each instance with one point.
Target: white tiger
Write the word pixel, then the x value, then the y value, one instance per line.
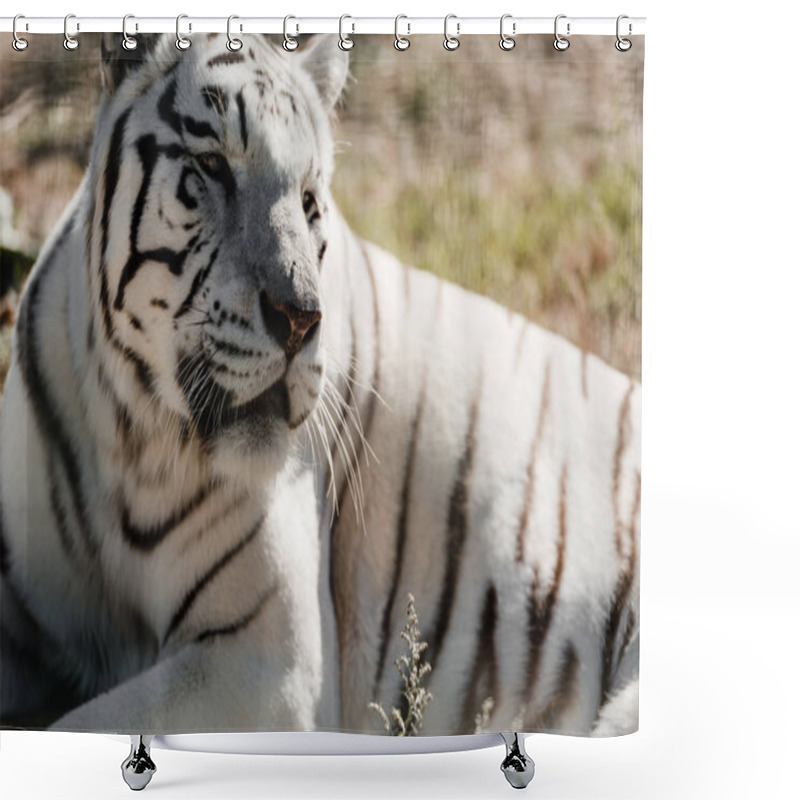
pixel 202 320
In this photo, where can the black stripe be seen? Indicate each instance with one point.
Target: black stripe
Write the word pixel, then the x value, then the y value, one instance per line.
pixel 183 193
pixel 540 615
pixel 199 128
pixel 226 58
pixel 240 624
pixel 148 152
pixel 530 483
pixel 484 663
pixel 143 371
pixel 198 281
pixel 60 516
pixel 290 97
pixel 212 406
pixel 146 539
pixel 242 118
pixel 457 524
pixel 205 579
pixel 618 606
pixel 561 698
pixel 122 419
pixel 163 255
pixel 166 108
pixel 42 402
pixel 400 541
pixel 111 179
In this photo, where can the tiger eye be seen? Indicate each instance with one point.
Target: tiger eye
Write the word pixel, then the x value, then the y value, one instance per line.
pixel 212 163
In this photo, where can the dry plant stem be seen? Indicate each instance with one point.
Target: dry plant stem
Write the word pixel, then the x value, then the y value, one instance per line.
pixel 412 670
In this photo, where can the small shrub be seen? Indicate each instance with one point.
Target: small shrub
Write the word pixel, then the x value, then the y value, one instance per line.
pixel 413 670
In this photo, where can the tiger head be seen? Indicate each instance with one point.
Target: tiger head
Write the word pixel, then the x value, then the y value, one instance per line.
pixel 209 231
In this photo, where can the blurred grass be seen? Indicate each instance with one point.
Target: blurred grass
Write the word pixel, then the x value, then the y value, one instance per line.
pixel 519 178
pixel 558 255
pixel 516 175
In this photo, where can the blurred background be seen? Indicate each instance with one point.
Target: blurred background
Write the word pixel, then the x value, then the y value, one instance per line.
pixel 515 174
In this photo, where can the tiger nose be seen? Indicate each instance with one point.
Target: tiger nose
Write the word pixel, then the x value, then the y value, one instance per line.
pixel 288 324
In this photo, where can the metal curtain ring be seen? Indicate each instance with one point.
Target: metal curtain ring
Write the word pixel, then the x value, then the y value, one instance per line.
pixel 451 42
pixel 128 42
pixel 623 45
pixel 560 43
pixel 401 42
pixel 70 42
pixel 234 45
pixel 507 42
pixel 18 43
pixel 289 43
pixel 181 42
pixel 345 42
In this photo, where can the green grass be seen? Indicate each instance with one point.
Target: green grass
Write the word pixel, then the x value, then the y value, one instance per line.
pixel 563 255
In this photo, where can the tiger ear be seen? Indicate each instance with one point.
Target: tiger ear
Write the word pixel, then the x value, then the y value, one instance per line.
pixel 117 62
pixel 327 64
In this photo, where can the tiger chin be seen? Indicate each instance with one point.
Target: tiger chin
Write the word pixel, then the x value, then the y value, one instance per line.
pixel 236 437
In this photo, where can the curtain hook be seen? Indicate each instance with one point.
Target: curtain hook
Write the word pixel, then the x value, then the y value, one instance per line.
pixel 345 42
pixel 128 42
pixel 401 42
pixel 234 45
pixel 451 42
pixel 181 42
pixel 623 45
pixel 70 42
pixel 507 42
pixel 18 43
pixel 289 43
pixel 560 43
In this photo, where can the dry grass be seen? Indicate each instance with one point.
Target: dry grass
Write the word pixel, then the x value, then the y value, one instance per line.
pixel 413 671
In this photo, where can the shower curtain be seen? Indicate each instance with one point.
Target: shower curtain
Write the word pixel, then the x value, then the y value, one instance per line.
pixel 320 389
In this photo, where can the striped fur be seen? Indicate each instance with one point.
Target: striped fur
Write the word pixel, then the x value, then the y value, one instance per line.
pixel 213 509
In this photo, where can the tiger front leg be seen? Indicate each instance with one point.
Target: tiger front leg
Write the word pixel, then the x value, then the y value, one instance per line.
pixel 256 680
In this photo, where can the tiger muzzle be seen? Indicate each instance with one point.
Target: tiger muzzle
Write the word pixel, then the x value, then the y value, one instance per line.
pixel 289 325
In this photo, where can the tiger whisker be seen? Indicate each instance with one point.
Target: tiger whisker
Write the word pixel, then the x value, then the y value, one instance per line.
pixel 351 464
pixel 318 430
pixel 353 381
pixel 353 412
pixel 332 489
pixel 350 455
pixel 341 429
pixel 327 416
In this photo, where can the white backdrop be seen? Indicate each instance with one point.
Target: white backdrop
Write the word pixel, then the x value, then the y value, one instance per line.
pixel 720 699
